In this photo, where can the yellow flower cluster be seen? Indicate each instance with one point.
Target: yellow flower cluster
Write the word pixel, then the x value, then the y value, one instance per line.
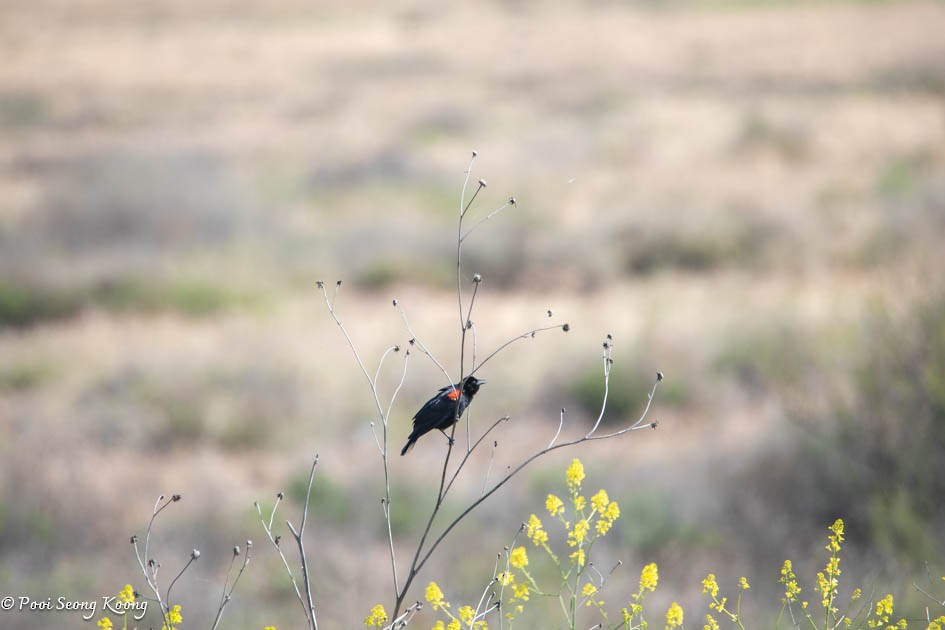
pixel 172 618
pixel 649 577
pixel 791 588
pixel 467 614
pixel 884 610
pixel 534 531
pixel 377 617
pixel 836 536
pixel 465 617
pixel 518 558
pixel 584 521
pixel 575 475
pixel 127 594
pixel 710 585
pixel 828 579
pixel 674 616
pixel 578 533
pixel 435 596
pixel 554 505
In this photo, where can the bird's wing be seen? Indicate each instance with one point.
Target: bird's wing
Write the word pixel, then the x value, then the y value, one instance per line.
pixel 434 404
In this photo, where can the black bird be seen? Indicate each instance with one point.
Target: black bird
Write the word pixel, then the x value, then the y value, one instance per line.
pixel 443 410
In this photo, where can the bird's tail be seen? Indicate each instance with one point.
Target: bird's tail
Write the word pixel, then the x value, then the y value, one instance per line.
pixel 408 446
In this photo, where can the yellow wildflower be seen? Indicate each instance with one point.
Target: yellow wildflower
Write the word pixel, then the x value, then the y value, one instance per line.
pixel 579 502
pixel 127 594
pixel 554 505
pixel 575 475
pixel 588 590
pixel 649 577
pixel 269 628
pixel 435 596
pixel 438 626
pixel 710 623
pixel 578 557
pixel 791 588
pixel 603 526
pixel 520 591
pixel 505 578
pixel 578 533
pixel 836 536
pixel 378 617
pixel 172 618
pixel 518 558
pixel 674 616
pixel 884 608
pixel 453 625
pixel 600 500
pixel 535 532
pixel 467 614
pixel 105 623
pixel 710 586
pixel 743 583
pixel 612 512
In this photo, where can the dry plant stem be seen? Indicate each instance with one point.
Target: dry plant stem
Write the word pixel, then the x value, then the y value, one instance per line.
pixel 415 341
pixel 525 335
pixel 227 594
pixel 927 594
pixel 298 535
pixel 463 207
pixel 144 562
pixel 275 543
pixel 484 219
pixel 193 557
pixel 405 617
pixel 372 383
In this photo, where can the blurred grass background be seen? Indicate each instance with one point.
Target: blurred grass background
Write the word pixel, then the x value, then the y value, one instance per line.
pixel 749 195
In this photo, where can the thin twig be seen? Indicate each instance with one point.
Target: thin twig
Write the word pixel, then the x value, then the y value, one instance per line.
pixel 525 335
pixel 227 595
pixel 193 557
pixel 275 543
pixel 486 218
pixel 301 545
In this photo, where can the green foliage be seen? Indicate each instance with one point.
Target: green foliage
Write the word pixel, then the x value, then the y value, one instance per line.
pixel 24 376
pixel 21 110
pixel 650 524
pixel 628 390
pixel 736 243
pixel 896 422
pixel 193 297
pixel 22 304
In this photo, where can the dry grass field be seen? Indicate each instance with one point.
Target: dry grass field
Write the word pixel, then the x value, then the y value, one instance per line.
pixel 749 195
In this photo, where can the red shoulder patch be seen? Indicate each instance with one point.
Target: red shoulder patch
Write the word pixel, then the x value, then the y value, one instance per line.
pixel 453 394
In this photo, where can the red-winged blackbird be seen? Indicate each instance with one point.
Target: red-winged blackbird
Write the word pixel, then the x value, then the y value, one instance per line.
pixel 443 410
